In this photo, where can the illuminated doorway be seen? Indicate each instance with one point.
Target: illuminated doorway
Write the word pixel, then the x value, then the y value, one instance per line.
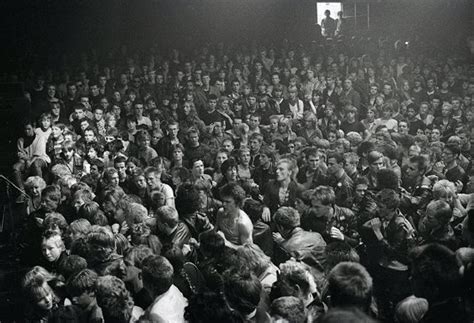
pixel 321 7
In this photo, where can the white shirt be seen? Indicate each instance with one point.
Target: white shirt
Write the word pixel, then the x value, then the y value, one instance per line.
pixel 170 306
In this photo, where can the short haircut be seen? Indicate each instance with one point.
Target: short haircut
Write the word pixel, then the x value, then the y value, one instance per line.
pixel 242 290
pixel 387 178
pixel 80 226
pixel 82 282
pixel 337 252
pixel 389 197
pixel 135 255
pixel 287 217
pixel 168 215
pixel 289 308
pixel 325 195
pixel 349 284
pixel 435 273
pixel 157 274
pixel 440 210
pixel 187 199
pixel 51 192
pixel 71 265
pixel 337 156
pixel 234 191
pixel 114 299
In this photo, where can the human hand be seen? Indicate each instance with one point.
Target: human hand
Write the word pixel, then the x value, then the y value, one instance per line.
pixel 459 186
pixel 376 224
pixel 277 237
pixel 124 228
pixel 266 216
pixel 336 234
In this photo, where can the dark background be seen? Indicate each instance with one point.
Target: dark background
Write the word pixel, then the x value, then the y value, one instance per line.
pixel 72 25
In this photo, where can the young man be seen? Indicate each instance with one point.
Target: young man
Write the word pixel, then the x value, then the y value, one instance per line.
pixel 169 303
pixel 232 223
pixel 81 287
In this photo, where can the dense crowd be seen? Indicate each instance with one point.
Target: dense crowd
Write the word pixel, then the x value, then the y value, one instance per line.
pixel 324 183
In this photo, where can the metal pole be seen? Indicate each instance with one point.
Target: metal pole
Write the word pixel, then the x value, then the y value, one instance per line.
pixel 355 15
pixel 368 15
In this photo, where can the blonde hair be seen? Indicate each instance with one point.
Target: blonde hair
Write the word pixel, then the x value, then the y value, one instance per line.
pixel 411 310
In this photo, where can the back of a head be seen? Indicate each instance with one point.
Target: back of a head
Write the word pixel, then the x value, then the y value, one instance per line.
pixel 291 309
pixel 114 299
pixel 157 274
pixel 339 251
pixel 242 290
pixel 411 310
pixel 350 285
pixel 435 273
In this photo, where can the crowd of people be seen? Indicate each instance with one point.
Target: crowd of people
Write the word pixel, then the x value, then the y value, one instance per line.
pixel 324 183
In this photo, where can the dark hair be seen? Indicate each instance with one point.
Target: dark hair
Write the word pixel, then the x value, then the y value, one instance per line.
pixel 82 282
pixel 349 284
pixel 387 179
pixel 71 265
pixel 253 208
pixel 242 290
pixel 187 199
pixel 157 274
pixel 234 191
pixel 435 273
pixel 290 308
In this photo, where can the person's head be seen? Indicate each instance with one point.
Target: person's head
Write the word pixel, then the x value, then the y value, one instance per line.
pixel 50 198
pixel 286 219
pixel 167 219
pixel 187 199
pixel 444 190
pixel 114 299
pixel 229 169
pixel 323 195
pixel 157 273
pixel 350 285
pixel 375 160
pixel 34 185
pixel 101 244
pixel 79 229
pixel 387 201
pixel 232 196
pixel 387 178
pixel 335 163
pixel 193 136
pixel 289 309
pixel 416 167
pixel 295 279
pixel 451 152
pixel 285 169
pixel 411 310
pixel 52 246
pixel 80 197
pixel 153 177
pixel 254 258
pixel 434 273
pixel 438 215
pixel 81 288
pixel 242 291
pixel 39 295
pixel 228 145
pixel 337 252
